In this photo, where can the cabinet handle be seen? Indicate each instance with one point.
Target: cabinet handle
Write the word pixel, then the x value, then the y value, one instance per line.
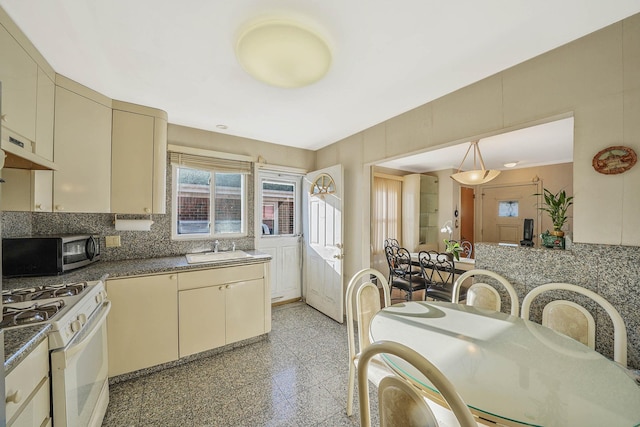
pixel 221 288
pixel 171 277
pixel 59 207
pixel 227 287
pixel 38 206
pixel 3 118
pixel 15 397
pixel 147 210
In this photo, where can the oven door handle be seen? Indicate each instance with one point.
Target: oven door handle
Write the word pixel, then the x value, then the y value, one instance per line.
pixel 97 324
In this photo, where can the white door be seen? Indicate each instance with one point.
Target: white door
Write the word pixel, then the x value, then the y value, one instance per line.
pixel 279 232
pixel 323 241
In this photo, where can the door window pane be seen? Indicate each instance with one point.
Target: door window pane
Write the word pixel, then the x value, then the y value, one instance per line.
pixel 278 208
pixel 508 208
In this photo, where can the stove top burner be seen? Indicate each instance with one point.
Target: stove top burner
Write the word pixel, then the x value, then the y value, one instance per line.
pixel 42 292
pixel 15 316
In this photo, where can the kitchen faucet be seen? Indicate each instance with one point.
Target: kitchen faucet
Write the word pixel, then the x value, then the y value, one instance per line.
pixel 215 246
pixel 233 246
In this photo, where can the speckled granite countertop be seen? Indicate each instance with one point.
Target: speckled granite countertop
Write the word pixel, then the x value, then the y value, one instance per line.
pixel 19 342
pixel 130 267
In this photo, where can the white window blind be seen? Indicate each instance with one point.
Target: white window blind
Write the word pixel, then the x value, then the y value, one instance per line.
pixel 211 163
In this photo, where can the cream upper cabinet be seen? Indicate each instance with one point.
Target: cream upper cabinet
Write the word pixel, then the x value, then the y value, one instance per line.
pixel 27 190
pixel 138 169
pixel 143 324
pixel 44 116
pixel 19 76
pixel 82 149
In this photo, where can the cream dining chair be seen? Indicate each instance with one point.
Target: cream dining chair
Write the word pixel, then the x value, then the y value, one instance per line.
pixel 365 298
pixel 399 402
pixel 575 321
pixel 483 295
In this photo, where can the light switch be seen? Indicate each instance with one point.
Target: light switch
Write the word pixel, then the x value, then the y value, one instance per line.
pixel 112 241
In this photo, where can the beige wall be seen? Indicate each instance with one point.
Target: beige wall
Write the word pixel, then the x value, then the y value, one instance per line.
pixel 594 79
pixel 553 177
pixel 273 154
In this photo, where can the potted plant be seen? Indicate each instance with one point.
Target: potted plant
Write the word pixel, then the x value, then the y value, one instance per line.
pixel 452 247
pixel 556 206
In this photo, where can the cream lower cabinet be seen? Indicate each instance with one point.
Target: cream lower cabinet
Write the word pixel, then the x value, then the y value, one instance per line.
pixel 27 396
pixel 142 327
pixel 222 306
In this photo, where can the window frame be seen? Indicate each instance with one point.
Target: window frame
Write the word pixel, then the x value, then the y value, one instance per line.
pixel 212 234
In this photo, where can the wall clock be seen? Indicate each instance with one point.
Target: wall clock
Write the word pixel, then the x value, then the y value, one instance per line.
pixel 614 160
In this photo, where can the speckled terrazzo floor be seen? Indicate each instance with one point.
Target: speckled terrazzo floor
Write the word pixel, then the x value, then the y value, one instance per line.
pixel 296 377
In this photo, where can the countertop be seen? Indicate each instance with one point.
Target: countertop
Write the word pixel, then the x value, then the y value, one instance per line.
pixel 19 342
pixel 130 267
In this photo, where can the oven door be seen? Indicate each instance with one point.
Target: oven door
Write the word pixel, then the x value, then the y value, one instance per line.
pixel 79 382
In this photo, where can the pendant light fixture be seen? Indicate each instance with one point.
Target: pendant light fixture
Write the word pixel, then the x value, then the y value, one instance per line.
pixel 475 176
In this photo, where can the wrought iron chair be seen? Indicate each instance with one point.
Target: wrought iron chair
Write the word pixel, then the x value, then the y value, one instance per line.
pixel 467 249
pixel 438 269
pixel 402 275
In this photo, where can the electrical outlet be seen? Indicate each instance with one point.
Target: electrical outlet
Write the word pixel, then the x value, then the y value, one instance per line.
pixel 112 241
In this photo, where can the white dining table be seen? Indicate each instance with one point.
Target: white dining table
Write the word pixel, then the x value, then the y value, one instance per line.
pixel 510 370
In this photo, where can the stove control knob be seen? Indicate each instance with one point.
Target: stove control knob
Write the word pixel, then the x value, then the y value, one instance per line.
pixel 76 325
pixel 82 318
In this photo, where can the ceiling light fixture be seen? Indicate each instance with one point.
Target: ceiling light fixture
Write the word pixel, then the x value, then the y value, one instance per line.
pixel 510 165
pixel 475 176
pixel 283 54
pixel 221 126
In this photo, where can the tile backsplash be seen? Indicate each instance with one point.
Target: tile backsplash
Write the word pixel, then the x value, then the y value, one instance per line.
pixel 134 244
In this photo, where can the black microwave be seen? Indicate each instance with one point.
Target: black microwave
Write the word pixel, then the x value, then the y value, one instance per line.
pixel 47 255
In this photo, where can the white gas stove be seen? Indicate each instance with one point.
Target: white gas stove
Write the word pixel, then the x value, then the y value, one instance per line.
pixel 66 307
pixel 77 313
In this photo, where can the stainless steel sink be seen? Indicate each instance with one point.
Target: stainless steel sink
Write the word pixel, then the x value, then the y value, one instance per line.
pixel 215 256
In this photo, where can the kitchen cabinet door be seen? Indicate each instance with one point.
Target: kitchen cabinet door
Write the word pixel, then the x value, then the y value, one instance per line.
pixel 139 156
pixel 82 152
pixel 19 76
pixel 27 389
pixel 25 190
pixel 202 319
pixel 44 116
pixel 245 316
pixel 143 323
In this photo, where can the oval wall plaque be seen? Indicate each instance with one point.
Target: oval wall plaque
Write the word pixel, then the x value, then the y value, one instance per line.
pixel 614 160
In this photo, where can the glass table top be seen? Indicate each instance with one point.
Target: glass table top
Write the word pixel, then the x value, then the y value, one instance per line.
pixel 509 369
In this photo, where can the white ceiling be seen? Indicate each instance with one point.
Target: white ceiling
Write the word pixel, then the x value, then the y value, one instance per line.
pixel 388 57
pixel 540 145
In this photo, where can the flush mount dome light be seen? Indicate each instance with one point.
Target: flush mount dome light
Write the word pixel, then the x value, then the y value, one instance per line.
pixel 283 54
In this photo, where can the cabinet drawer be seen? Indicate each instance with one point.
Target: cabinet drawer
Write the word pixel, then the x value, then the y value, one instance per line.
pixel 219 276
pixel 23 380
pixel 36 412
